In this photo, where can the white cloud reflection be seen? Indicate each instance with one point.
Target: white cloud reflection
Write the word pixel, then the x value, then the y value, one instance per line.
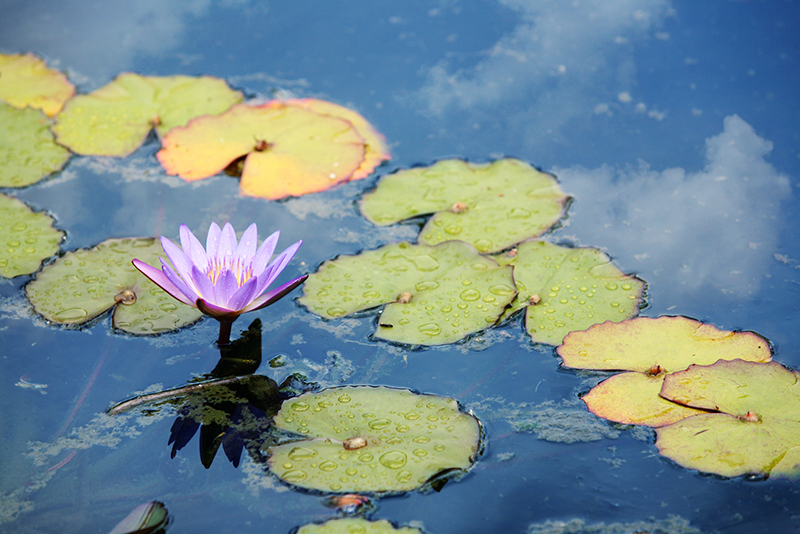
pixel 682 230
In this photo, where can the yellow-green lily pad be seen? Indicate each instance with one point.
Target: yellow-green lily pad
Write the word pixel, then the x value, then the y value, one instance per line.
pixel 651 348
pixel 28 238
pixel 84 284
pixel 756 427
pixel 26 81
pixel 355 525
pixel 565 289
pixel 115 119
pixel 362 439
pixel 27 147
pixel 491 205
pixel 288 149
pixel 433 294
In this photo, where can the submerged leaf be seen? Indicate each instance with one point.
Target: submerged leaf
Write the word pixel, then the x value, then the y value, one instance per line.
pixel 492 206
pixel 435 295
pixel 115 119
pixel 566 289
pixel 756 430
pixel 83 284
pixel 26 81
pixel 652 348
pixel 288 149
pixel 28 238
pixel 355 525
pixel 27 147
pixel 363 439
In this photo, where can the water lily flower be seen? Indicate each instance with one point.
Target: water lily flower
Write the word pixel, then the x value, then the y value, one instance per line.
pixel 225 279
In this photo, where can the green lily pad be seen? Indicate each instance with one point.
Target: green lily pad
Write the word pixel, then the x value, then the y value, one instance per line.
pixel 83 284
pixel 26 81
pixel 115 119
pixel 362 439
pixel 565 289
pixel 27 147
pixel 28 238
pixel 756 430
pixel 355 525
pixel 492 206
pixel 435 294
pixel 651 348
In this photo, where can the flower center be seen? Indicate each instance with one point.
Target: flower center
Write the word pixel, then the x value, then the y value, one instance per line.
pixel 217 266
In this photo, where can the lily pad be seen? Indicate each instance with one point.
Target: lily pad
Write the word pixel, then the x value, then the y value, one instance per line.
pixel 116 119
pixel 492 205
pixel 288 150
pixel 651 348
pixel 26 81
pixel 756 430
pixel 355 525
pixel 565 289
pixel 28 238
pixel 362 439
pixel 434 294
pixel 83 284
pixel 27 147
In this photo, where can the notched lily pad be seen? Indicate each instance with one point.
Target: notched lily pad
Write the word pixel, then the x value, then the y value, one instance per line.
pixel 283 148
pixel 362 439
pixel 27 147
pixel 28 238
pixel 565 289
pixel 83 284
pixel 26 81
pixel 492 205
pixel 355 525
pixel 435 294
pixel 651 348
pixel 115 119
pixel 756 430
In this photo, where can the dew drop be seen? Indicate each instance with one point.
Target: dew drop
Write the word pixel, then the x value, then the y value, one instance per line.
pixel 611 286
pixel 71 314
pixel 420 452
pixel 328 466
pixel 379 424
pixel 404 476
pixel 426 285
pixel 393 460
pixel 345 398
pixel 336 312
pixel 452 229
pixel 293 477
pixel 366 458
pixel 431 329
pixel 438 448
pixel 300 406
pixel 301 453
pixel 370 295
pixel 421 439
pixel 470 295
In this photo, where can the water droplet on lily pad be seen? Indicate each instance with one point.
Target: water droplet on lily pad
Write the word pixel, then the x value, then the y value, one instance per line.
pixel 19 222
pixel 355 525
pixel 391 460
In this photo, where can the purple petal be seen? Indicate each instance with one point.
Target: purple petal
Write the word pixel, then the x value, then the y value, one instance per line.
pixel 217 312
pixel 247 245
pixel 187 289
pixel 161 280
pixel 264 253
pixel 212 241
pixel 244 295
pixel 204 286
pixel 192 248
pixel 276 294
pixel 179 260
pixel 278 265
pixel 225 287
pixel 227 244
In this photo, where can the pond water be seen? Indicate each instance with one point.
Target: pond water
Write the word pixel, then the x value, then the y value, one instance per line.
pixel 672 123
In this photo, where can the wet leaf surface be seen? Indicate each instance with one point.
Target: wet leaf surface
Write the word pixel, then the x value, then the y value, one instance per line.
pixel 116 119
pixel 492 206
pixel 363 439
pixel 757 429
pixel 27 147
pixel 355 525
pixel 290 148
pixel 651 348
pixel 566 289
pixel 434 294
pixel 28 238
pixel 26 81
pixel 86 283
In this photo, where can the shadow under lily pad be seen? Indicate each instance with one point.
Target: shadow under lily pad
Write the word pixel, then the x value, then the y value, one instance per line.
pixel 362 439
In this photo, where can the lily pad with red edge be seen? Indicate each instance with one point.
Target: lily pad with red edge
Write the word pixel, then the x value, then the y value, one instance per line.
pixel 433 294
pixel 83 284
pixel 364 439
pixel 651 348
pixel 27 147
pixel 116 119
pixel 490 205
pixel 28 237
pixel 27 81
pixel 565 289
pixel 355 525
pixel 755 429
pixel 288 150
pixel 376 150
